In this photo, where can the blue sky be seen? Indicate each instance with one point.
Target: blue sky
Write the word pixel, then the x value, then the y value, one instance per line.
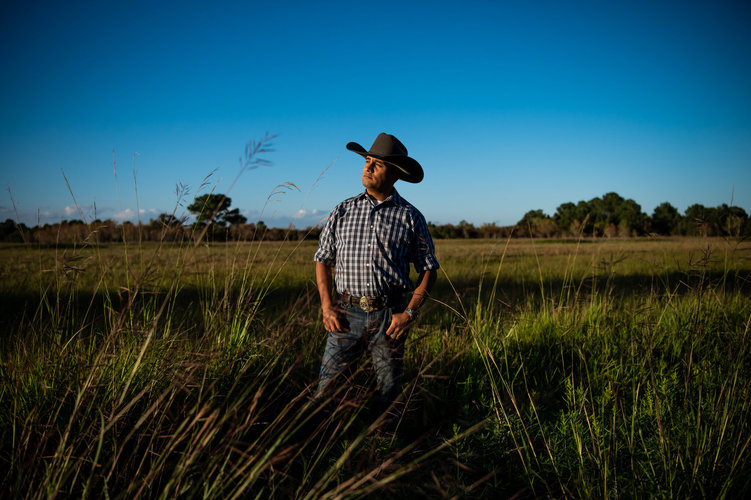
pixel 508 105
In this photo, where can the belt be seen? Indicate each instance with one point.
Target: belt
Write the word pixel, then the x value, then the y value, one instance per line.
pixel 368 303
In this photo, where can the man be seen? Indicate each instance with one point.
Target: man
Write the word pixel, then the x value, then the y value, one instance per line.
pixel 370 240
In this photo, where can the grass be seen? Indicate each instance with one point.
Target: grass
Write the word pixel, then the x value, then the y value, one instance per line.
pixel 591 368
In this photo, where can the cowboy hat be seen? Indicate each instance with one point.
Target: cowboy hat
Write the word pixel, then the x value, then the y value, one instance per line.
pixel 389 149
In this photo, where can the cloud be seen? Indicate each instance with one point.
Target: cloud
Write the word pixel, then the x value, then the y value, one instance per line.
pixel 51 215
pixel 82 212
pixel 131 215
pixel 123 215
pixel 302 212
pixel 250 214
pixel 301 219
pixel 311 217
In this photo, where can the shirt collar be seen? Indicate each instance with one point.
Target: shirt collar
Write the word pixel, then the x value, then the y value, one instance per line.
pixel 395 198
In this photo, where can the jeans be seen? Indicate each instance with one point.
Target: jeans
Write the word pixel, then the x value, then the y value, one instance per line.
pixel 366 332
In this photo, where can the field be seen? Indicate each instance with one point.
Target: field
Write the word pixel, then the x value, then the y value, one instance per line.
pixel 540 368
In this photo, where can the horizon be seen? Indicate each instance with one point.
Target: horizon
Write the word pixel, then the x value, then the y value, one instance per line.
pixel 187 221
pixel 509 108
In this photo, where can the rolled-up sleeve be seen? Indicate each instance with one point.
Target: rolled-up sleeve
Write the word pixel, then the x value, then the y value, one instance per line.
pixel 424 256
pixel 326 252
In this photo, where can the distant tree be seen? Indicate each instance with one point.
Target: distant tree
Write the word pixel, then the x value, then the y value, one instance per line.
pixel 443 231
pixel 313 232
pixel 730 220
pixel 467 229
pixel 9 231
pixel 214 209
pixel 234 216
pixel 696 221
pixel 602 211
pixel 697 212
pixel 107 230
pixel 532 217
pixel 432 229
pixel 610 215
pixel 536 223
pixel 665 219
pixel 565 215
pixel 492 230
pixel 583 223
pixel 630 219
pixel 166 220
pixel 166 227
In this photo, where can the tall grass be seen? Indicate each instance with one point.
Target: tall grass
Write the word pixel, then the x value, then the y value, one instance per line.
pixel 615 393
pixel 163 391
pixel 565 369
pixel 161 370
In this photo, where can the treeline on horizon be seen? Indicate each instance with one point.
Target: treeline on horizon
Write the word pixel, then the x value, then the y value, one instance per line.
pixel 609 216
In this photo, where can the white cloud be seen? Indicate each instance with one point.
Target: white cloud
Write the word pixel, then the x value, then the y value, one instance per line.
pixel 308 213
pixel 250 214
pixel 123 215
pixel 81 212
pixel 301 219
pixel 131 215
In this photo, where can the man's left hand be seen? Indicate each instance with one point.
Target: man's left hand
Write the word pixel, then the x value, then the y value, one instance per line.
pixel 400 323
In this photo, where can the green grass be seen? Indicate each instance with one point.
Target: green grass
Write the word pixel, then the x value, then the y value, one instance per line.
pixel 591 368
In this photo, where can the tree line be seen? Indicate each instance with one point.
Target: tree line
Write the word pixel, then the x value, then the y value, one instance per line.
pixel 608 216
pixel 214 221
pixel 612 215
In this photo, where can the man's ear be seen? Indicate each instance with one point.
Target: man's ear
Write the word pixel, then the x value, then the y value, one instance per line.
pixel 394 174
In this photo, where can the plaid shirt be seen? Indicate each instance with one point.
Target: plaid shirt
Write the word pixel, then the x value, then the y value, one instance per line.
pixel 372 244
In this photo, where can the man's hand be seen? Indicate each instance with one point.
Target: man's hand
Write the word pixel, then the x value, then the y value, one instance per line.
pixel 333 319
pixel 400 323
pixel 333 316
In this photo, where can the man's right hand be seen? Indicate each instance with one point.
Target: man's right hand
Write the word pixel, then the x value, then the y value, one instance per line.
pixel 333 319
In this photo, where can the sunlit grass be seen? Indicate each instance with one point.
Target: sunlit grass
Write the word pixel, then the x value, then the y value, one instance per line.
pixel 591 368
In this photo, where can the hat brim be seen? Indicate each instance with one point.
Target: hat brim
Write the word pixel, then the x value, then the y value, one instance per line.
pixel 409 169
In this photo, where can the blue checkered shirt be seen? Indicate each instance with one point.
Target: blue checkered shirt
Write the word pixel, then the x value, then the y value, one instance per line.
pixel 371 245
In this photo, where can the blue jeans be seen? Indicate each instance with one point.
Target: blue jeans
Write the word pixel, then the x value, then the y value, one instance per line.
pixel 366 332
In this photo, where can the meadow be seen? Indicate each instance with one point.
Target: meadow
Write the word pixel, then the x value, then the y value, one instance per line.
pixel 590 368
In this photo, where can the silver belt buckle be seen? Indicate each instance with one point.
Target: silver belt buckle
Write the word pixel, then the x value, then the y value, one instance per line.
pixel 365 305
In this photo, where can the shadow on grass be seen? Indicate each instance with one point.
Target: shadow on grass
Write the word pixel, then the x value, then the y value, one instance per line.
pixel 449 390
pixel 188 303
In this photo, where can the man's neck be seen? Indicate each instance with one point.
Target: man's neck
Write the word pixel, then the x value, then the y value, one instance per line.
pixel 379 195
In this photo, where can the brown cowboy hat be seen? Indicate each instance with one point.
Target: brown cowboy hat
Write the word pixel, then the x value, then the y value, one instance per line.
pixel 389 149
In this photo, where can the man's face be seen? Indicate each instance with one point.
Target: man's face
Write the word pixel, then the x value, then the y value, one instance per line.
pixel 378 176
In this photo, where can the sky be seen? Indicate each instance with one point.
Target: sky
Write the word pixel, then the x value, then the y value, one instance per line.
pixel 124 110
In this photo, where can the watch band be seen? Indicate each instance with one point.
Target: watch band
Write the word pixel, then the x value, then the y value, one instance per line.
pixel 413 314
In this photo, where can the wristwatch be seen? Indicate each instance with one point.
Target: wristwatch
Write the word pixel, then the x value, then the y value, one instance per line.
pixel 413 313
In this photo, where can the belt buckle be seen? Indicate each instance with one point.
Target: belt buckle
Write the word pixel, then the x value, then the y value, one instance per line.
pixel 365 305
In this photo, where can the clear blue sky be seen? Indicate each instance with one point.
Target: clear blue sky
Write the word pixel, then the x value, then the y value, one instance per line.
pixel 508 105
